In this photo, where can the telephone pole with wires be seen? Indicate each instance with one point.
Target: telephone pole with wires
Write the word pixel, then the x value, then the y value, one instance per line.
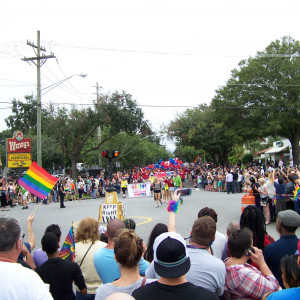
pixel 38 60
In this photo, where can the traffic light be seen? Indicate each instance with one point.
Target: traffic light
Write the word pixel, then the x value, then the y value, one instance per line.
pixel 115 153
pixel 105 153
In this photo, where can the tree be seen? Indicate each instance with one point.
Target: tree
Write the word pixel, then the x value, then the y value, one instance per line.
pixel 262 96
pixel 136 150
pixel 199 128
pixel 24 115
pixel 76 128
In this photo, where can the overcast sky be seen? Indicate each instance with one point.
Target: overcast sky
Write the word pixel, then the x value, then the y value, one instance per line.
pixel 164 53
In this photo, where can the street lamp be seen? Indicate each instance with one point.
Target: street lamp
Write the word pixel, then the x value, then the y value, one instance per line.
pixel 54 85
pixel 39 112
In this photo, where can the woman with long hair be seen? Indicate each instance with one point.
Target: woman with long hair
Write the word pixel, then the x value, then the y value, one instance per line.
pixel 128 248
pixel 157 230
pixel 253 219
pixel 157 191
pixel 86 244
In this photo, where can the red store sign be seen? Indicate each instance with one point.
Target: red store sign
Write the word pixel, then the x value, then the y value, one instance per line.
pixel 18 144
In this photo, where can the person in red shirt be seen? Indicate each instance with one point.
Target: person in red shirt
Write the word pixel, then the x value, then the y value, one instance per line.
pixel 182 176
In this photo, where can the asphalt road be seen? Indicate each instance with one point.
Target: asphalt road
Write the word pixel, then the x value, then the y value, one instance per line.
pixel 142 210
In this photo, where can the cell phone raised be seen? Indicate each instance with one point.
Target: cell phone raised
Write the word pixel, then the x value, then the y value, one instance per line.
pixel 250 249
pixel 184 192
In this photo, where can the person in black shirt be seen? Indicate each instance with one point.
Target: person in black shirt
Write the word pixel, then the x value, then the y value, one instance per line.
pixel 171 263
pixel 62 193
pixel 59 273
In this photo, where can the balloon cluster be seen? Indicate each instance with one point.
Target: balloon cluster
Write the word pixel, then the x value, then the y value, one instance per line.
pixel 172 163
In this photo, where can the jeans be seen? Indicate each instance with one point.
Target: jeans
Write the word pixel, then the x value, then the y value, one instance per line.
pixel 54 197
pixel 79 296
pixel 93 193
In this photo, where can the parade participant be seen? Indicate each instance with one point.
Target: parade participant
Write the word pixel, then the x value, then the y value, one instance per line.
pixel 177 181
pixel 87 243
pixel 124 185
pixel 244 281
pixel 17 282
pixel 151 180
pixel 128 249
pixel 171 263
pixel 157 191
pixel 166 192
pixel 59 273
pixel 104 258
pixel 286 225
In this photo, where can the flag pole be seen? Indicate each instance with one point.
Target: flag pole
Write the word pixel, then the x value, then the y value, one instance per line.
pixel 37 206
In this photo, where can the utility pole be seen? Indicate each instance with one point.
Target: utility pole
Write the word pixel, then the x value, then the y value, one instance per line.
pixel 38 61
pixel 99 127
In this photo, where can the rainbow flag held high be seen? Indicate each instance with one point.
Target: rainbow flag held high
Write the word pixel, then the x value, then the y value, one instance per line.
pixel 67 251
pixel 37 181
pixel 196 159
pixel 296 193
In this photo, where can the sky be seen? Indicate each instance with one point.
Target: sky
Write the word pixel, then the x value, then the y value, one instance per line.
pixel 170 55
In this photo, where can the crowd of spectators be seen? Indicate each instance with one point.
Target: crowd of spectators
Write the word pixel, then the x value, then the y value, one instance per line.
pixel 246 264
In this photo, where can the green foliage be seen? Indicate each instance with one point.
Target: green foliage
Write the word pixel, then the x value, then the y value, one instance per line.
pixel 201 129
pixel 247 158
pixel 135 150
pixel 263 94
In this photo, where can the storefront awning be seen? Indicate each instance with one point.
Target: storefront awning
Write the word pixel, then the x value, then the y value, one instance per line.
pixel 276 149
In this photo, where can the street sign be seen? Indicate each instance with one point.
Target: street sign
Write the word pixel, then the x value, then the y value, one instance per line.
pixel 19 160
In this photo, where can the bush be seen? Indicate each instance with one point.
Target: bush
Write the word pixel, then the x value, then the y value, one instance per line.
pixel 247 158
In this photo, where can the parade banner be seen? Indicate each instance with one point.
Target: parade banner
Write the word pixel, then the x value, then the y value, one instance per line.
pixel 138 190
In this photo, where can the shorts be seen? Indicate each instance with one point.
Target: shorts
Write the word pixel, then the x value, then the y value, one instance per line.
pixel 220 183
pixel 73 192
pixel 171 188
pixel 157 191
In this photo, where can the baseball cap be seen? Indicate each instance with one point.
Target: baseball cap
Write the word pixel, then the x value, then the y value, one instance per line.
pixel 171 259
pixel 289 218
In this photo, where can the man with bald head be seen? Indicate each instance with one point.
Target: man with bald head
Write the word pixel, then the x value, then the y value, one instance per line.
pixel 104 258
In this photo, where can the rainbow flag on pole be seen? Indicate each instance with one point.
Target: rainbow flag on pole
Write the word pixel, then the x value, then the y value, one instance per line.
pixel 37 181
pixel 67 251
pixel 196 159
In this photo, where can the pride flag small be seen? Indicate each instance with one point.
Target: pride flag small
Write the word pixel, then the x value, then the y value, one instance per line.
pixel 196 159
pixel 67 251
pixel 37 181
pixel 296 193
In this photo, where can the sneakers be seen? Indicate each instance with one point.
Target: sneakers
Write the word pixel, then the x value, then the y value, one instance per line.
pixel 156 206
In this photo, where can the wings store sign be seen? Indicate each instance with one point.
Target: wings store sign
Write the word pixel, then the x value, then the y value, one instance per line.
pixel 18 144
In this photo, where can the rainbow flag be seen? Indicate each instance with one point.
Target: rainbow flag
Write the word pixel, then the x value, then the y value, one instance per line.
pixel 67 251
pixel 37 181
pixel 196 159
pixel 296 193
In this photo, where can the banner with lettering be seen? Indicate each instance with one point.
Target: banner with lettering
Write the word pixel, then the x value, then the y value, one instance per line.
pixel 139 189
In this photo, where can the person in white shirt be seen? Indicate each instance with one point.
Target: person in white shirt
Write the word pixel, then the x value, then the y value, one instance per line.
pixel 17 282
